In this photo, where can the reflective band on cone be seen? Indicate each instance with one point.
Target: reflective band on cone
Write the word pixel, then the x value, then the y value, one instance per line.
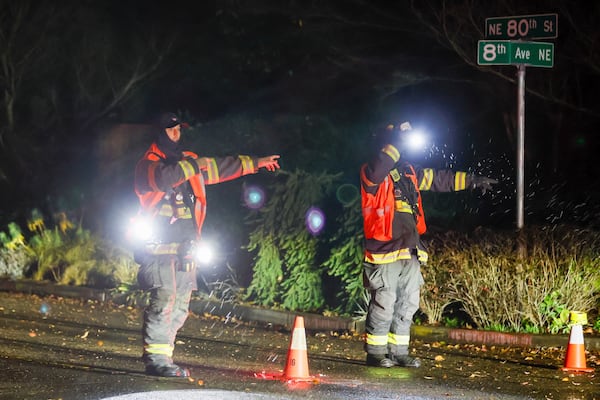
pixel 575 357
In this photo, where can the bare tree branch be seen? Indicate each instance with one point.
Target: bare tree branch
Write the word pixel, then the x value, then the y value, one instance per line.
pixel 455 26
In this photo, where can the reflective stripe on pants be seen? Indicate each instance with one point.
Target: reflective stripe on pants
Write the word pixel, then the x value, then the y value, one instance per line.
pixel 395 295
pixel 166 312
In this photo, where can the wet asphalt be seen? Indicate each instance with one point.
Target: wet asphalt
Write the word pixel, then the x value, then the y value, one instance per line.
pixel 54 347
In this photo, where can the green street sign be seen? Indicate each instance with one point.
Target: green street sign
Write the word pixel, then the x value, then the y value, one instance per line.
pixel 542 26
pixel 511 52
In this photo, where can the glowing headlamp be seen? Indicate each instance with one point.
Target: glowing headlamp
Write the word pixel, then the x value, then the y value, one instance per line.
pixel 413 139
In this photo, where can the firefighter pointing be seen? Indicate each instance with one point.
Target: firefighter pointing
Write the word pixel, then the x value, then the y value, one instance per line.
pixel 393 223
pixel 170 184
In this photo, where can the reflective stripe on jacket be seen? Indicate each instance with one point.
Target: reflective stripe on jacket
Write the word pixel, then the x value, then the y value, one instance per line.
pixel 154 178
pixel 408 221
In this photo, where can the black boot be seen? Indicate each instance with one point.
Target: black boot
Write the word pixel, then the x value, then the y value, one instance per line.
pixel 167 370
pixel 405 361
pixel 379 360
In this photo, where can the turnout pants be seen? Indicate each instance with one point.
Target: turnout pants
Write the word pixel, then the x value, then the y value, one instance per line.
pixel 170 292
pixel 395 295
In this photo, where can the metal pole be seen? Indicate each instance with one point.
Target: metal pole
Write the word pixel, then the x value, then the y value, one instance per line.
pixel 521 240
pixel 521 146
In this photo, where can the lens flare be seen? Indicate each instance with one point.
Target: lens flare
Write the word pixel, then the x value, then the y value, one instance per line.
pixel 315 220
pixel 254 197
pixel 44 309
pixel 347 193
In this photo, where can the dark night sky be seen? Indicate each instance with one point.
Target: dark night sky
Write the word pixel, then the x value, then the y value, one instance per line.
pixel 313 80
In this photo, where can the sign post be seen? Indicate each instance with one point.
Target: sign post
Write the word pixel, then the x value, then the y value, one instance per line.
pixel 504 45
pixel 521 152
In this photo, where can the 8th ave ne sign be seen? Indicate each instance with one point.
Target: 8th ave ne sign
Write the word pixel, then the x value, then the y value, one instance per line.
pixel 508 52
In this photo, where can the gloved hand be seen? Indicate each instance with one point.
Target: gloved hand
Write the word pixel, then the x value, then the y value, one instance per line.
pixel 396 135
pixel 482 182
pixel 202 163
pixel 405 127
pixel 269 162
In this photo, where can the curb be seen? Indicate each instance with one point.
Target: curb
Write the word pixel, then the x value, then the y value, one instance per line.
pixel 313 322
pixel 491 338
pixel 223 309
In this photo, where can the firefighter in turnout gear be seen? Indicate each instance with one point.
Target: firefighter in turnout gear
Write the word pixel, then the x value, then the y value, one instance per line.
pixel 170 184
pixel 394 221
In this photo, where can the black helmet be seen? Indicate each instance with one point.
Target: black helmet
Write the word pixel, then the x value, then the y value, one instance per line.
pixel 168 120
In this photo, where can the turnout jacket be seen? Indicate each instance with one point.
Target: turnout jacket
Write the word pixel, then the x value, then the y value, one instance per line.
pixel 173 192
pixel 397 186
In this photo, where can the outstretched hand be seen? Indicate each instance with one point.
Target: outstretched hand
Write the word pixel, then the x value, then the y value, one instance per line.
pixel 269 162
pixel 483 183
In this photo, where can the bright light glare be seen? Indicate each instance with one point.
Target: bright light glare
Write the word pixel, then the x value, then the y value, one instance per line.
pixel 203 253
pixel 416 140
pixel 140 228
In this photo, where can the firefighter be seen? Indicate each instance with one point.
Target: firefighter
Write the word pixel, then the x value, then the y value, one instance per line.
pixel 170 184
pixel 394 221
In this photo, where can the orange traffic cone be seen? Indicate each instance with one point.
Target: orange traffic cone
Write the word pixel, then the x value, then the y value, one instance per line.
pixel 297 358
pixel 575 357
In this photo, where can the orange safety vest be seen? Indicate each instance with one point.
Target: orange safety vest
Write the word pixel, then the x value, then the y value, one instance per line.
pixel 378 209
pixel 149 200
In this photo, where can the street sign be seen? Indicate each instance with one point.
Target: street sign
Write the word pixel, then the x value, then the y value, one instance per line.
pixel 508 52
pixel 542 26
pixel 504 51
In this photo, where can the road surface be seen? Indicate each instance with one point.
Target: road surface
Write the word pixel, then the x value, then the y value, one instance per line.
pixel 59 348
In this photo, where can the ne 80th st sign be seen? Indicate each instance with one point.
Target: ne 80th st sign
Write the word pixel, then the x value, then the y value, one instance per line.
pixel 542 26
pixel 508 52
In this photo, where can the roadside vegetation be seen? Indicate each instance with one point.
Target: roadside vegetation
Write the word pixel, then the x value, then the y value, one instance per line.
pixel 483 275
pixel 63 252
